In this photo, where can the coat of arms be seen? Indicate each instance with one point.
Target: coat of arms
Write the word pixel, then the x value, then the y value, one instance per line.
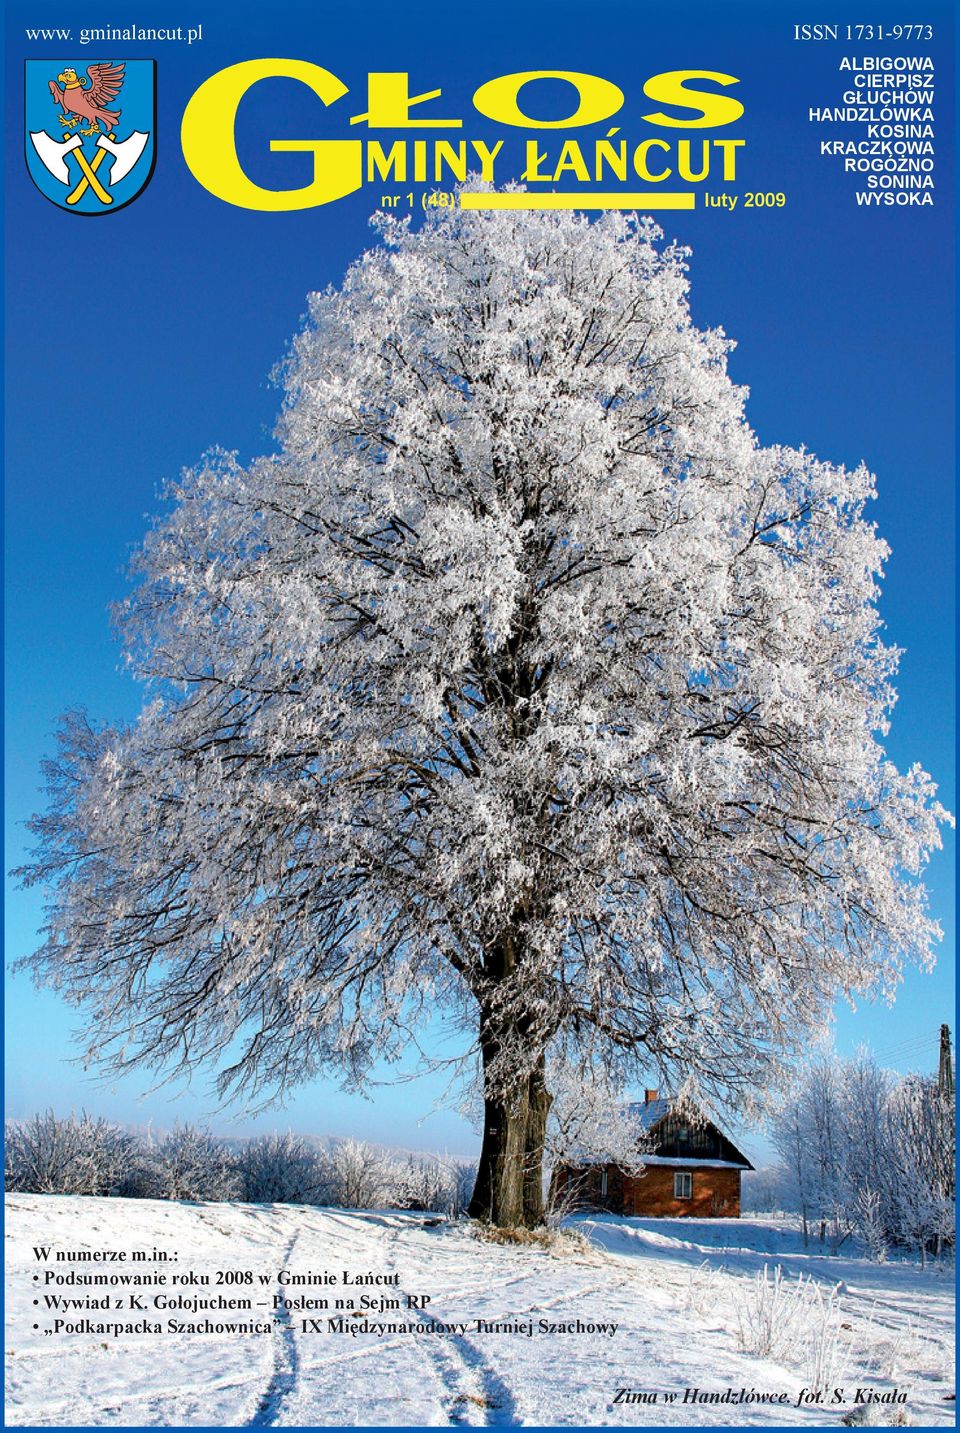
pixel 90 134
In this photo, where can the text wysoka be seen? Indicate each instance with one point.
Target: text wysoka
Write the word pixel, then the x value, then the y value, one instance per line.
pixel 207 133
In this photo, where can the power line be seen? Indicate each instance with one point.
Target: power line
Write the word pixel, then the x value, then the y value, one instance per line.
pixel 905 1047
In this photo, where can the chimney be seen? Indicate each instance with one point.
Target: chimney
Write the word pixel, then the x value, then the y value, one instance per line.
pixel 650 1096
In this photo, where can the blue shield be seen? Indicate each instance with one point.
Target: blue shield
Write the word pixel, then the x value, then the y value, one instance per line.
pixel 90 140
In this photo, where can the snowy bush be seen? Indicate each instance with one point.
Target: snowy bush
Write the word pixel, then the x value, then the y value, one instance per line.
pixel 922 1194
pixel 144 1179
pixel 767 1314
pixel 819 1347
pixel 794 1322
pixel 419 1184
pixel 48 1155
pixel 464 1177
pixel 193 1164
pixel 703 1287
pixel 281 1169
pixel 359 1175
pixel 442 1185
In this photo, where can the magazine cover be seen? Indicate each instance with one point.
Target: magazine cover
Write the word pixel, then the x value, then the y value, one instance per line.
pixel 480 720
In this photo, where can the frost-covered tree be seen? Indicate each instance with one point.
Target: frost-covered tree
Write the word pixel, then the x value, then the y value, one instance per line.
pixel 830 1134
pixel 788 1134
pixel 827 1148
pixel 521 681
pixel 867 1092
pixel 590 1120
pixel 864 1150
pixel 922 1139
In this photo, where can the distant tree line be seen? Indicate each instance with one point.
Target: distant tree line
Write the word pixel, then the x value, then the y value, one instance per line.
pixel 866 1152
pixel 47 1154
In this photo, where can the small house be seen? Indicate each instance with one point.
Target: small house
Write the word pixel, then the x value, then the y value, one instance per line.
pixel 692 1169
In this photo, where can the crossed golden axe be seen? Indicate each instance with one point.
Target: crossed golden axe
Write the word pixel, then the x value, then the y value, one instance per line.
pixel 53 155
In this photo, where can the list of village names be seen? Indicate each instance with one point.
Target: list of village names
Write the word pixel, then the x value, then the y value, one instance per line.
pixel 877 126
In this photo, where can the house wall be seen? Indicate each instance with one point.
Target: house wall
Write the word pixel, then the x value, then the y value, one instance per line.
pixel 584 1188
pixel 715 1193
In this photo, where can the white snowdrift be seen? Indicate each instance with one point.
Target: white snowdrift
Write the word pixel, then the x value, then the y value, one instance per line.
pixel 672 1288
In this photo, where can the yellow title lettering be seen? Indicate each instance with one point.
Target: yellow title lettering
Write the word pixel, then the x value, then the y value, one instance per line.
pixel 209 145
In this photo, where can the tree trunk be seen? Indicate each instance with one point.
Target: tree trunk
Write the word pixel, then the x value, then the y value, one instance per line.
pixel 498 1192
pixel 539 1101
pixel 509 1186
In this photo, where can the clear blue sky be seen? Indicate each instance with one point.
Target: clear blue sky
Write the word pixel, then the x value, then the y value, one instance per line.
pixel 136 341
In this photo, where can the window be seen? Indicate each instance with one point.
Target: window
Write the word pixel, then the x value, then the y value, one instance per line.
pixel 603 1185
pixel 683 1186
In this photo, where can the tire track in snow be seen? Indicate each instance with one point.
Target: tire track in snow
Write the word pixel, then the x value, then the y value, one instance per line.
pixel 457 1393
pixel 461 1368
pixel 468 1380
pixel 286 1363
pixel 468 1384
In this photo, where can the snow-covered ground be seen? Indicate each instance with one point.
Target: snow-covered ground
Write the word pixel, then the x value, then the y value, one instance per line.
pixel 676 1291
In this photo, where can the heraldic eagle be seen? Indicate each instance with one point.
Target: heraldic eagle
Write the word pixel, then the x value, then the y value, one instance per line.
pixel 79 103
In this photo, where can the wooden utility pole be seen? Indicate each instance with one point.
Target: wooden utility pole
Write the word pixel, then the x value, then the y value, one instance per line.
pixel 945 1079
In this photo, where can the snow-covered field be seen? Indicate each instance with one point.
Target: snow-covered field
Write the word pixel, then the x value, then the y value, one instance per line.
pixel 676 1292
